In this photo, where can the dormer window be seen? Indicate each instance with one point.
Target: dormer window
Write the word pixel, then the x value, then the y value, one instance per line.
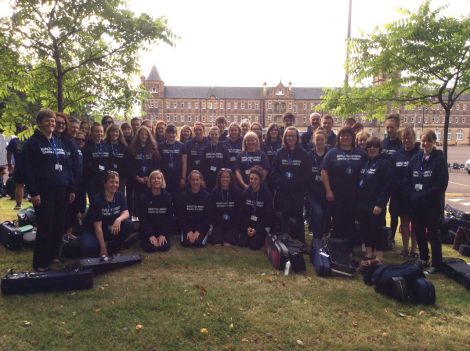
pixel 279 92
pixel 153 90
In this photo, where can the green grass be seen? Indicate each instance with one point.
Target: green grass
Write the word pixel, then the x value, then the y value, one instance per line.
pixel 238 297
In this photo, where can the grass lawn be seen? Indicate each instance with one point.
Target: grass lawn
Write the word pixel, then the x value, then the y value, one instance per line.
pixel 240 300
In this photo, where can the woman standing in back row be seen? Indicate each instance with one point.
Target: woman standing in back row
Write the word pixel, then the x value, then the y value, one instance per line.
pixel 427 180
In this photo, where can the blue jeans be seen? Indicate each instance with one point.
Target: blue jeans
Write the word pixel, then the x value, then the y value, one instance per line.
pixel 89 246
pixel 319 216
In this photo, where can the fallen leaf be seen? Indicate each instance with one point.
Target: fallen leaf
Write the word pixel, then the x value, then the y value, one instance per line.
pixel 300 342
pixel 244 340
pixel 139 327
pixel 26 324
pixel 204 331
pixel 401 314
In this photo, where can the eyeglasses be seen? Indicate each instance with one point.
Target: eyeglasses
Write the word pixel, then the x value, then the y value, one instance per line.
pixel 80 139
pixel 375 146
pixel 108 122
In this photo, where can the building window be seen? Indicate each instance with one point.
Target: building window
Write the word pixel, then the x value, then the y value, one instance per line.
pixel 438 134
pixel 305 106
pixel 242 105
pixel 212 119
pixel 425 120
pixel 175 105
pixel 221 105
pixel 290 106
pixel 154 89
pixel 203 119
pixel 419 119
pixel 456 120
pixel 189 118
pixel 405 119
pixel 256 105
pixel 459 135
pixel 182 105
pixel 412 119
pixel 182 119
pixel 463 119
pixel 168 104
pixel 196 105
pixel 203 105
pixel 269 105
pixel 189 105
pixel 305 119
pixel 235 105
pixel 229 105
pixel 249 106
pixel 449 135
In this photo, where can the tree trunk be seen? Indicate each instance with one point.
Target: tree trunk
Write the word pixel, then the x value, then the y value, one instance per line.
pixel 60 92
pixel 446 132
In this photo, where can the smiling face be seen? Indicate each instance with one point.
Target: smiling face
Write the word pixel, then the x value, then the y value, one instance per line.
pixel 156 181
pixel 291 138
pixel 345 140
pixel 114 135
pixel 112 184
pixel 195 182
pixel 320 141
pixel 373 151
pixel 361 142
pixel 186 133
pixel 60 124
pixel 255 181
pixel 214 135
pixel 198 131
pixel 392 128
pixel 47 125
pixel 97 133
pixel 72 129
pixel 256 129
pixel 251 143
pixel 170 136
pixel 126 131
pixel 409 141
pixel 427 143
pixel 225 180
pixel 274 133
pixel 234 133
pixel 143 136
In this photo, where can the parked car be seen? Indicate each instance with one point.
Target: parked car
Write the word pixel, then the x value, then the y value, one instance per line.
pixel 467 166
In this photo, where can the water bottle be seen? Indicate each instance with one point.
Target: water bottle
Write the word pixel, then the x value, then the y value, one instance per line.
pixel 287 268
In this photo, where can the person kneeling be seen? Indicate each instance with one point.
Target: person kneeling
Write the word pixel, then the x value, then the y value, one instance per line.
pixel 156 214
pixel 107 220
pixel 194 212
pixel 256 211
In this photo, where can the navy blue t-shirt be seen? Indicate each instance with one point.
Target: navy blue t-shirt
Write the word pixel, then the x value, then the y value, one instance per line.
pixel 171 157
pixel 247 160
pixel 233 148
pixel 105 211
pixel 15 146
pixel 344 168
pixel 194 149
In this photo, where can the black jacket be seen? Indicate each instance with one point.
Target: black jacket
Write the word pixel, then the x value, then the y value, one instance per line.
pixel 155 213
pixel 427 180
pixel 96 162
pixel 193 211
pixel 375 184
pixel 256 209
pixel 291 170
pixel 46 164
pixel 225 207
pixel 119 160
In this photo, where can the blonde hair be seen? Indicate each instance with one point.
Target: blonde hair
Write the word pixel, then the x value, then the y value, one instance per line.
pixel 154 174
pixel 250 135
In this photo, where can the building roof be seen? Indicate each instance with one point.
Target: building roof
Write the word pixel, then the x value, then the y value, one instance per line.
pixel 154 74
pixel 188 92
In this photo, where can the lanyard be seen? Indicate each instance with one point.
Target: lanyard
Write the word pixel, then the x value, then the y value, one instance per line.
pixel 100 150
pixel 348 159
pixel 367 168
pixel 222 195
pixel 142 153
pixel 110 205
pixel 54 148
pixel 422 165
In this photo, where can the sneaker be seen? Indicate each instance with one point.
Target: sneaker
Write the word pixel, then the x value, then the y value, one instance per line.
pixel 17 207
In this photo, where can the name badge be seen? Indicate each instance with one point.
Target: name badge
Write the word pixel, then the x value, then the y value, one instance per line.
pixel 197 162
pixel 58 167
pixel 115 165
pixel 101 168
pixel 289 175
pixel 254 218
pixel 318 178
pixel 213 168
pixel 349 170
pixel 144 169
pixel 361 184
pixel 233 159
pixel 418 187
pixel 247 172
pixel 226 217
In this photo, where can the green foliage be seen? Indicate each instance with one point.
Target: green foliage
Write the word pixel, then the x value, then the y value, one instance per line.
pixel 421 59
pixel 76 56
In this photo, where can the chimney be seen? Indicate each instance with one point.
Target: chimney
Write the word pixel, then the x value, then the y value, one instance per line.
pixel 264 89
pixel 290 86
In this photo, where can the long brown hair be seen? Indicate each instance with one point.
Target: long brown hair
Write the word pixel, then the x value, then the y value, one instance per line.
pixel 150 146
pixel 121 139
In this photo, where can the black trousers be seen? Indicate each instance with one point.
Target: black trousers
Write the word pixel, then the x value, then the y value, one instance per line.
pixel 343 217
pixel 255 242
pixel 50 216
pixel 292 207
pixel 371 229
pixel 221 235
pixel 77 206
pixel 426 224
pixel 200 242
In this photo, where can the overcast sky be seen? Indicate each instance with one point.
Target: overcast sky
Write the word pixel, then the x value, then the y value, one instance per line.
pixel 248 42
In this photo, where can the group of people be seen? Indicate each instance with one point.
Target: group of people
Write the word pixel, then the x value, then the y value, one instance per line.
pixel 230 186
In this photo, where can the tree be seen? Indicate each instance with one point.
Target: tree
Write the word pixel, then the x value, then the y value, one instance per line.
pixel 421 59
pixel 73 55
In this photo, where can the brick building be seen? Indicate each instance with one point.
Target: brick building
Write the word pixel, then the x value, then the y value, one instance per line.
pixel 185 105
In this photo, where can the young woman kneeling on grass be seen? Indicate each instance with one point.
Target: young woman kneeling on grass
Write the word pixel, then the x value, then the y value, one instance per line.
pixel 156 214
pixel 193 212
pixel 256 211
pixel 224 210
pixel 107 220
